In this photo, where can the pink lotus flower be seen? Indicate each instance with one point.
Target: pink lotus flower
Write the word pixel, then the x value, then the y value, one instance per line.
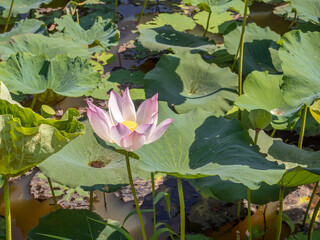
pixel 126 127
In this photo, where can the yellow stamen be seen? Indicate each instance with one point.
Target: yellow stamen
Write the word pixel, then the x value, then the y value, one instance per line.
pixel 130 124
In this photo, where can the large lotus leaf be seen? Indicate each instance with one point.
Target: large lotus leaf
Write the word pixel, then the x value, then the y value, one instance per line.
pixel 177 21
pixel 21 6
pixel 217 5
pixel 300 56
pixel 216 20
pixel 308 26
pixel 62 75
pixel 197 144
pixel 187 82
pixel 231 192
pixel 39 44
pixel 256 47
pixel 72 165
pixel 102 35
pixel 289 155
pixel 299 176
pixel 259 84
pixel 26 138
pixel 167 38
pixel 24 26
pixel 308 8
pixel 74 224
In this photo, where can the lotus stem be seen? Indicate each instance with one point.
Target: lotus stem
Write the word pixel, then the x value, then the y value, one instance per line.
pixel 91 201
pixel 280 213
pixel 153 204
pixel 303 125
pixel 143 8
pixel 182 210
pixel 115 11
pixel 135 197
pixel 235 58
pixel 273 133
pixel 52 193
pixel 77 14
pixel 9 16
pixel 309 204
pixel 294 19
pixel 7 207
pixel 242 46
pixel 33 103
pixel 264 221
pixel 207 27
pixel 239 209
pixel 256 137
pixel 313 220
pixel 249 213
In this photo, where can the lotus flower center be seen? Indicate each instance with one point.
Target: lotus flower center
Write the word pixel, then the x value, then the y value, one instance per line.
pixel 130 124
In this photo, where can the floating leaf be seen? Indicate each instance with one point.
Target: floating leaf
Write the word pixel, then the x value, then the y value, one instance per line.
pixel 197 145
pixel 177 21
pixel 74 224
pixel 102 35
pixel 48 79
pixel 39 44
pixel 256 47
pixel 24 26
pixel 21 6
pixel 167 38
pixel 300 56
pixel 84 162
pixel 259 84
pixel 28 139
pixel 188 82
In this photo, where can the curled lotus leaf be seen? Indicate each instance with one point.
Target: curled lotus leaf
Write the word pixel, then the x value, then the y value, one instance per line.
pixel 101 36
pixel 84 162
pixel 48 79
pixel 37 44
pixel 307 8
pixel 23 27
pixel 26 138
pixel 198 144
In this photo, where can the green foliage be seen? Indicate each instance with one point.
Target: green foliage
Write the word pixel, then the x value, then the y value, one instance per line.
pixel 191 83
pixel 21 6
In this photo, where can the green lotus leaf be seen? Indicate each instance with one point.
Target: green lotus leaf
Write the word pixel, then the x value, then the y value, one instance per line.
pixel 188 82
pixel 301 67
pixel 216 5
pixel 308 8
pixel 27 138
pixel 299 176
pixel 260 118
pixel 24 26
pixel 308 27
pixel 72 166
pixel 101 36
pixel 259 84
pixel 125 76
pixel 48 79
pixel 197 145
pixel 289 155
pixel 220 57
pixel 256 47
pixel 177 21
pixel 167 38
pixel 231 192
pixel 21 6
pixel 271 1
pixel 74 224
pixel 216 20
pixel 39 44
